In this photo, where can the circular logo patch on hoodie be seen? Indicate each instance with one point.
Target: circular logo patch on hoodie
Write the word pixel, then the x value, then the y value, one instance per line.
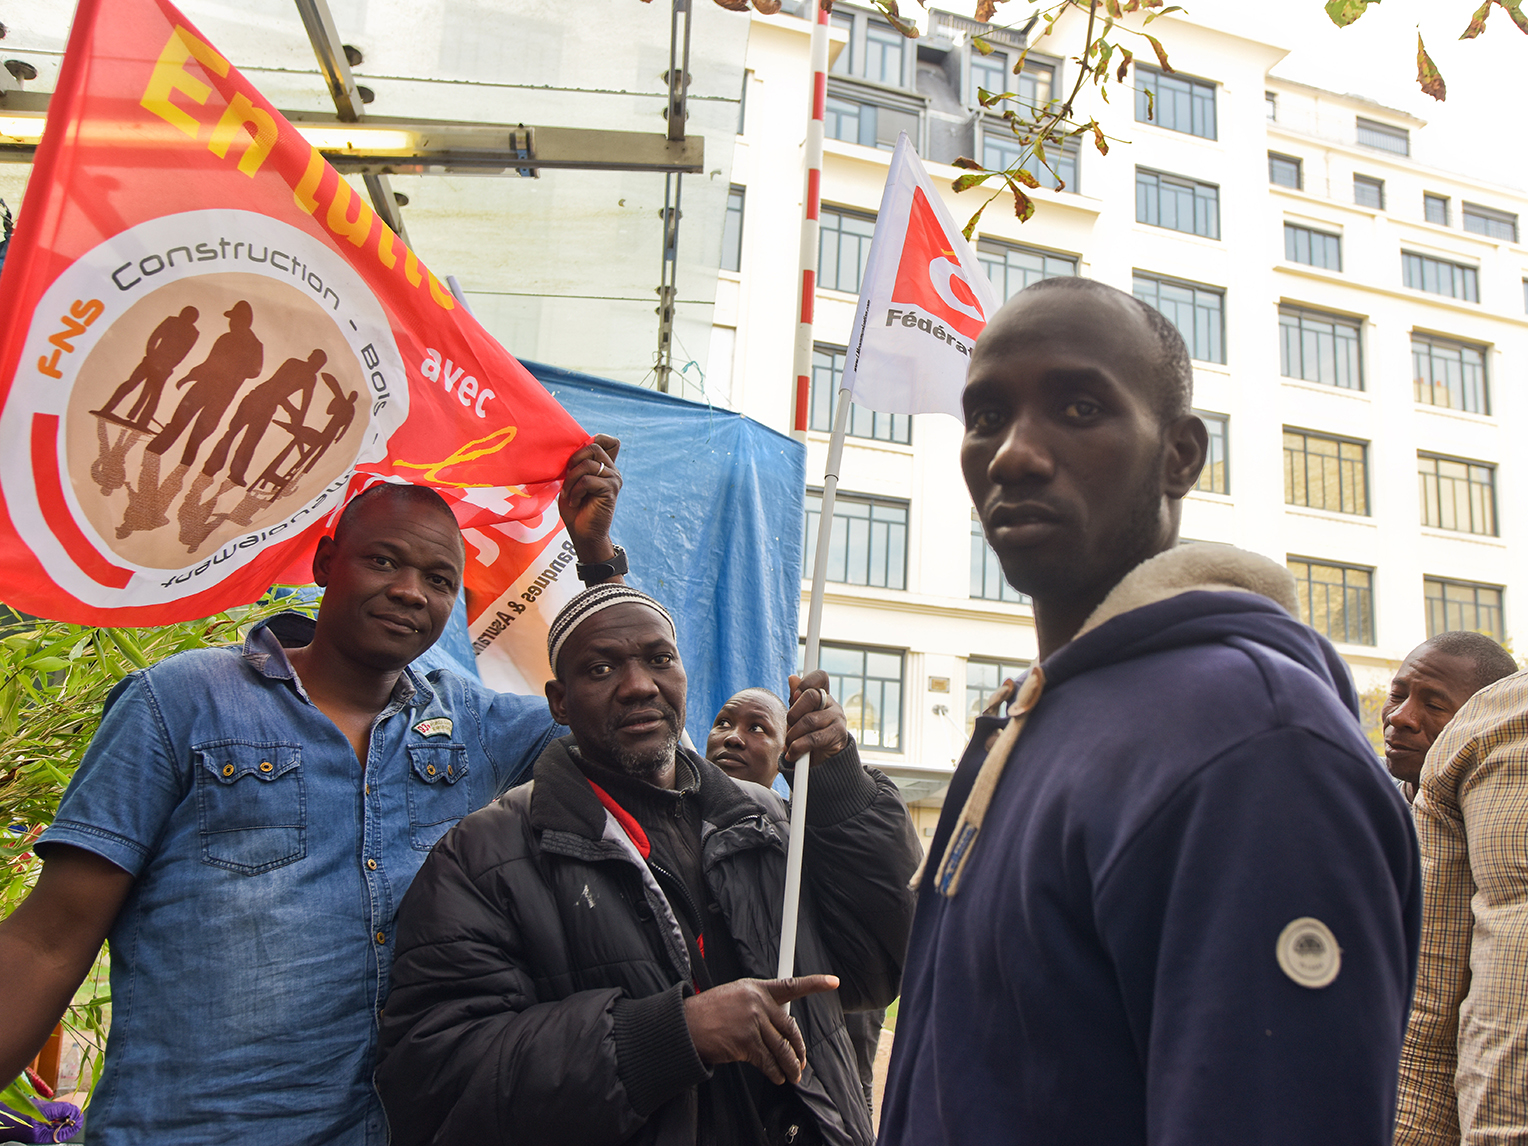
pixel 1307 952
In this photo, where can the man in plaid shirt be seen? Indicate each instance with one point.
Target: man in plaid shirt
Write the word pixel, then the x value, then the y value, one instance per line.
pixel 1464 1068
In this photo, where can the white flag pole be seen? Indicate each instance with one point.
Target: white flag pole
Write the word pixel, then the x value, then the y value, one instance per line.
pixel 794 856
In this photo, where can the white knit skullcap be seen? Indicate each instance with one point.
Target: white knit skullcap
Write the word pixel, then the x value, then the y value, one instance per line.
pixel 592 601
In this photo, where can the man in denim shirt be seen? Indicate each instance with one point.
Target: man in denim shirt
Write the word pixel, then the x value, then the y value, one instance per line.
pixel 245 824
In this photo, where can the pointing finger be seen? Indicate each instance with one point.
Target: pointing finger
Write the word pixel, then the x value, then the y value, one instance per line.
pixel 785 990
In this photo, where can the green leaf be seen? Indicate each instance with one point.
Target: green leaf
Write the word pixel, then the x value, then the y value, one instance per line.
pixel 1344 12
pixel 47 664
pixel 966 182
pixel 18 1096
pixel 1428 78
pixel 1112 7
pixel 985 48
pixel 970 228
pixel 1156 46
pixel 1023 205
pixel 1514 8
pixel 1126 56
pixel 1023 176
pixel 1477 22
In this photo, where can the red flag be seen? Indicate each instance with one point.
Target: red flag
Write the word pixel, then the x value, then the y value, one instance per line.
pixel 208 341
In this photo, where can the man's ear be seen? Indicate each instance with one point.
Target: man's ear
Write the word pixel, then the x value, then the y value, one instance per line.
pixel 323 558
pixel 554 697
pixel 1188 445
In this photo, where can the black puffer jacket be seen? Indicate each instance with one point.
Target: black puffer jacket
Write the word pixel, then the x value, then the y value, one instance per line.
pixel 537 992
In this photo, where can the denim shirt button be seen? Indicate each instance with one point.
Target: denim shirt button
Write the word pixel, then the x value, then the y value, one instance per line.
pixel 381 938
pixel 265 765
pixel 430 770
pixel 228 769
pixel 371 864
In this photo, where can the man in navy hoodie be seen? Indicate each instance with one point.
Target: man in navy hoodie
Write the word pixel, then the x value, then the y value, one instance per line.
pixel 1177 901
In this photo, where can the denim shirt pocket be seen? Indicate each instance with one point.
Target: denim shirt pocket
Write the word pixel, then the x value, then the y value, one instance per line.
pixel 437 796
pixel 251 805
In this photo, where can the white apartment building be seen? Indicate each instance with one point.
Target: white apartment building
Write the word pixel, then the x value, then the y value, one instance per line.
pixel 1357 321
pixel 1359 327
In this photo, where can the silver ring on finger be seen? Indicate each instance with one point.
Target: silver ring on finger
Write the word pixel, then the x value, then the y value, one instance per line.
pixel 822 699
pixel 602 470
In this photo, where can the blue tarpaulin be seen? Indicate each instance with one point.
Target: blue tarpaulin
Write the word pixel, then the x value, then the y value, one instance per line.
pixel 710 516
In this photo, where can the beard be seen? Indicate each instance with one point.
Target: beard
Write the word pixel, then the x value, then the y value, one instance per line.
pixel 646 763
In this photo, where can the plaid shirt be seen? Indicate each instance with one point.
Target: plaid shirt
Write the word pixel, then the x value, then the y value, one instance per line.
pixel 1464 1068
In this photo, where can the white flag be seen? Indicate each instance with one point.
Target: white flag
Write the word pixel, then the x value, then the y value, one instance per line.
pixel 923 301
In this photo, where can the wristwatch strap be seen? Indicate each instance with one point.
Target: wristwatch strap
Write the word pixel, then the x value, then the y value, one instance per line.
pixel 600 571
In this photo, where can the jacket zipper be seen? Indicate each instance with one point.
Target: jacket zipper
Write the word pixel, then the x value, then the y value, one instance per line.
pixel 684 893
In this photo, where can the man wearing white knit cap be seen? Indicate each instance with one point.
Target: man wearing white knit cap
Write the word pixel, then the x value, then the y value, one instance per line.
pixel 589 959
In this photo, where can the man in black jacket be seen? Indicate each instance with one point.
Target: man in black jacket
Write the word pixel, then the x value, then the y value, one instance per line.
pixel 587 961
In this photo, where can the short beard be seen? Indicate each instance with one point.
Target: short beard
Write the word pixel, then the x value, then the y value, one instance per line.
pixel 646 766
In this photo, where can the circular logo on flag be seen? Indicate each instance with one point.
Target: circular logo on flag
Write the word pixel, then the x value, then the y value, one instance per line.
pixel 193 390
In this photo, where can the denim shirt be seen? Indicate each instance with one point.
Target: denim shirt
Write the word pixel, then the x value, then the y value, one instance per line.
pixel 250 959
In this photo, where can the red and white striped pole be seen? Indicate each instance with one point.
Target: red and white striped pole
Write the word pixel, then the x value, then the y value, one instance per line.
pixel 811 204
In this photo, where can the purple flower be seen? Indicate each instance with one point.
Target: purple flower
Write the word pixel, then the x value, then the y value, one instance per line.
pixel 63 1123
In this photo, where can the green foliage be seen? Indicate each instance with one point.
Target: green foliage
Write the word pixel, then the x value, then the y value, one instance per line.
pixel 1344 12
pixel 54 679
pixel 1427 73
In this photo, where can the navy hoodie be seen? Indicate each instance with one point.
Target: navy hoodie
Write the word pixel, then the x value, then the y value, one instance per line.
pixel 1192 782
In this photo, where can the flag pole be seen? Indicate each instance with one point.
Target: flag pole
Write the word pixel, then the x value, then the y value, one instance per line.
pixel 811 211
pixel 794 856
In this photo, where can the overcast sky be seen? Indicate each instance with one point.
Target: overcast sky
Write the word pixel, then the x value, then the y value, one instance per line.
pixel 1478 131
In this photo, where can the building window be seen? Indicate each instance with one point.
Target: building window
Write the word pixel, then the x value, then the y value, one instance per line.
pixel 884 47
pixel 1216 475
pixel 1335 600
pixel 732 231
pixel 987 580
pixel 1285 170
pixel 1174 102
pixel 1463 605
pixel 1176 203
pixel 988 73
pixel 1383 137
pixel 1196 311
pixel 992 73
pixel 868 544
pixel 983 679
pixel 1011 269
pixel 867 123
pixel 868 683
pixel 844 65
pixel 1439 276
pixel 742 102
pixel 1002 151
pixel 1490 222
pixel 1457 494
pixel 1369 192
pixel 1525 296
pixel 1271 107
pixel 1313 248
pixel 1435 209
pixel 1322 348
pixel 827 376
pixel 843 245
pixel 1450 374
pixel 1321 472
